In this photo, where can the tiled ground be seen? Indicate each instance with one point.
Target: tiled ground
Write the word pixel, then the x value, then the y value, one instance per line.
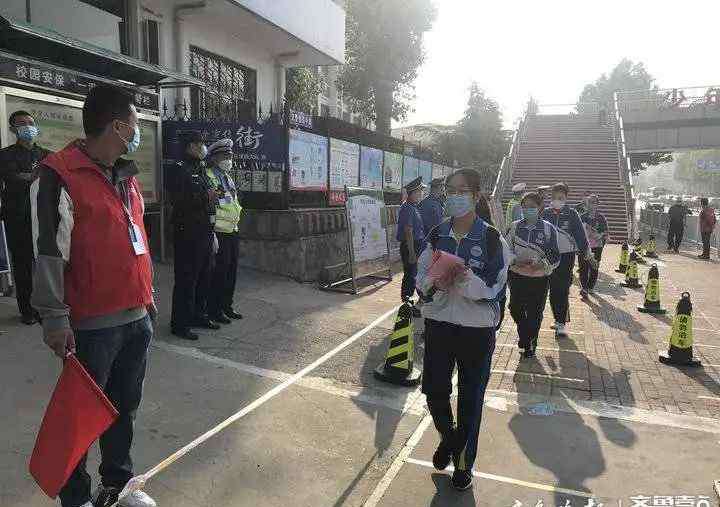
pixel 612 352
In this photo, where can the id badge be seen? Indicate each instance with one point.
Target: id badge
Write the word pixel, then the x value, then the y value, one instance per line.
pixel 136 238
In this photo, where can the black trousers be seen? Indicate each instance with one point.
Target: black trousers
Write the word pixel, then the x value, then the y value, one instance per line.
pixel 706 243
pixel 224 274
pixel 588 274
pixel 19 239
pixel 407 289
pixel 675 236
pixel 471 349
pixel 560 282
pixel 193 258
pixel 528 296
pixel 116 358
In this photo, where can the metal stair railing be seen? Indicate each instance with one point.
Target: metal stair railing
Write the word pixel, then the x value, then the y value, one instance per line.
pixel 624 167
pixel 505 174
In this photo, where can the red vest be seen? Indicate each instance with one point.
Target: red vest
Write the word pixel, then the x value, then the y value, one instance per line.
pixel 104 275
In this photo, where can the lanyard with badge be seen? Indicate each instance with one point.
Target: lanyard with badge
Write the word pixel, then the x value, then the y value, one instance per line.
pixel 136 235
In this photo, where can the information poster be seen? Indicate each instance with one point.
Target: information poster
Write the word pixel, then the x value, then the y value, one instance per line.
pixel 371 168
pixel 411 167
pixel 425 171
pixel 344 163
pixel 365 213
pixel 392 168
pixel 275 182
pixel 259 181
pixel 245 181
pixel 308 161
pixel 60 124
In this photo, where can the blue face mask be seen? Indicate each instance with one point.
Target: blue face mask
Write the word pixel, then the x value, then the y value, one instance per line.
pixel 459 205
pixel 530 214
pixel 27 132
pixel 134 143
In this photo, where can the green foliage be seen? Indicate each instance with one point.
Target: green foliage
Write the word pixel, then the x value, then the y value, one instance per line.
pixel 477 140
pixel 627 75
pixel 302 88
pixel 384 50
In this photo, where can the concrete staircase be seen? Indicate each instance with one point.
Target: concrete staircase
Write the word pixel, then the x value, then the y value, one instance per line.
pixel 576 150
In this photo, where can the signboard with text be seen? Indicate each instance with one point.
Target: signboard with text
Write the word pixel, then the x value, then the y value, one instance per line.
pixel 425 171
pixel 411 167
pixel 371 168
pixel 308 160
pixel 344 162
pixel 392 170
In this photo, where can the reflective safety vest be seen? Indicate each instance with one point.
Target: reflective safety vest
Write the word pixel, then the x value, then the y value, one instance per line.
pixel 228 210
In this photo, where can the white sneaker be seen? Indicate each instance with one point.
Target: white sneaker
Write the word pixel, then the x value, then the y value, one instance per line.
pixel 560 331
pixel 137 499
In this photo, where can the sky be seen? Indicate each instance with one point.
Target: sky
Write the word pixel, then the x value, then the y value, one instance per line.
pixel 550 49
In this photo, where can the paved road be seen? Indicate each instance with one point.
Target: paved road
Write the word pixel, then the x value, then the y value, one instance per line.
pixel 596 416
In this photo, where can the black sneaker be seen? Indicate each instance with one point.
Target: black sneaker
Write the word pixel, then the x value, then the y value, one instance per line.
pixel 443 455
pixel 232 314
pixel 220 318
pixel 528 353
pixel 462 479
pixel 206 323
pixel 185 334
pixel 29 319
pixel 105 496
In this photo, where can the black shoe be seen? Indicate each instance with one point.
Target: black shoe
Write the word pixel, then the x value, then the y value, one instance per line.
pixel 206 323
pixel 462 479
pixel 29 319
pixel 105 497
pixel 528 353
pixel 443 454
pixel 220 318
pixel 232 314
pixel 185 334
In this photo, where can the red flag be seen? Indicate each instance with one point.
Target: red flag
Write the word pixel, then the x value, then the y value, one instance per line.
pixel 78 413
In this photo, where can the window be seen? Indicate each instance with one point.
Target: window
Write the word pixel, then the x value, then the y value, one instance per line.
pixel 231 88
pixel 324 110
pixel 150 35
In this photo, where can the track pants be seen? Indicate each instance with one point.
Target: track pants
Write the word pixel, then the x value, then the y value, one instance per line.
pixel 471 349
pixel 528 296
pixel 588 274
pixel 224 274
pixel 19 241
pixel 675 236
pixel 706 243
pixel 560 282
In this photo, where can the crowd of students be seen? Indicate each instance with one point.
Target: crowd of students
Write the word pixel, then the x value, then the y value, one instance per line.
pixel 535 257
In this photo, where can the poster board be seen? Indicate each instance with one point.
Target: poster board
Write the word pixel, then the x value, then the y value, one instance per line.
pixel 344 166
pixel 411 167
pixel 368 249
pixel 392 168
pixel 371 168
pixel 425 171
pixel 60 124
pixel 308 160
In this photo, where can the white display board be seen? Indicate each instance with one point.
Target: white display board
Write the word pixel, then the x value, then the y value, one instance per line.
pixel 369 237
pixel 392 170
pixel 371 168
pixel 308 158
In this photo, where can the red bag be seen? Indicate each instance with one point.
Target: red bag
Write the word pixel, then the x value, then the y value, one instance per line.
pixel 78 413
pixel 444 268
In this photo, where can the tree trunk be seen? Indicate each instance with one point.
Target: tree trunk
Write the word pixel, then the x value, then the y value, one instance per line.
pixel 383 107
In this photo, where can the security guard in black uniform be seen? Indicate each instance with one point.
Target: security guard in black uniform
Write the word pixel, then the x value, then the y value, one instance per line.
pixel 18 163
pixel 194 201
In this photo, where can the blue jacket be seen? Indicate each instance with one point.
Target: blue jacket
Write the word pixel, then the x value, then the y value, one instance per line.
pixel 571 231
pixel 431 212
pixel 473 301
pixel 538 242
pixel 409 215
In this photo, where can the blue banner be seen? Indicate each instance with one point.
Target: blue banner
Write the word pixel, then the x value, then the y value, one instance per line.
pixel 252 142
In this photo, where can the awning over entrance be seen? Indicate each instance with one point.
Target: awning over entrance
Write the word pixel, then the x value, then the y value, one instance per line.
pixel 52 47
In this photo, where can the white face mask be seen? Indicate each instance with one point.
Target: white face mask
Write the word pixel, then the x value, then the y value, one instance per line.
pixel 225 165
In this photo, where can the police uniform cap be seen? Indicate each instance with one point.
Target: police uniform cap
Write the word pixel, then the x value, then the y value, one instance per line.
pixel 519 187
pixel 220 147
pixel 414 185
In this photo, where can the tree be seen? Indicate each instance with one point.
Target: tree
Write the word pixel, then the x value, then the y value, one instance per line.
pixel 627 75
pixel 384 49
pixel 302 88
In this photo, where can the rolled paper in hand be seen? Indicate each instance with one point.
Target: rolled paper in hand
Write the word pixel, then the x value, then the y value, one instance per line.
pixel 445 267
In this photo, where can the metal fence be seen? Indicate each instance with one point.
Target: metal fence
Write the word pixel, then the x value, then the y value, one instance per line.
pixel 657 223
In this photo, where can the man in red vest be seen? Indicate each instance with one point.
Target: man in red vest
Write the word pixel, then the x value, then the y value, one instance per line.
pixel 93 281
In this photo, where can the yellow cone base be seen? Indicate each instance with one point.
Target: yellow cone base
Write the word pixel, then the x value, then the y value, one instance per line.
pixel 621 269
pixel 631 284
pixel 398 376
pixel 679 357
pixel 648 308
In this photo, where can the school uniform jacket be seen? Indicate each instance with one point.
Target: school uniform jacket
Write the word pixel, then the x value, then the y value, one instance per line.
pixel 538 241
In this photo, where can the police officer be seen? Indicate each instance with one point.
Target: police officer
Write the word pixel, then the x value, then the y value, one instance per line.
pixel 229 210
pixel 18 164
pixel 410 234
pixel 432 208
pixel 513 211
pixel 194 200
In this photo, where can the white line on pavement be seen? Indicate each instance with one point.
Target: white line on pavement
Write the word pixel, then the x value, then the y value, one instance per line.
pixel 713 398
pixel 553 349
pixel 510 480
pixel 392 398
pixel 260 401
pixel 540 375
